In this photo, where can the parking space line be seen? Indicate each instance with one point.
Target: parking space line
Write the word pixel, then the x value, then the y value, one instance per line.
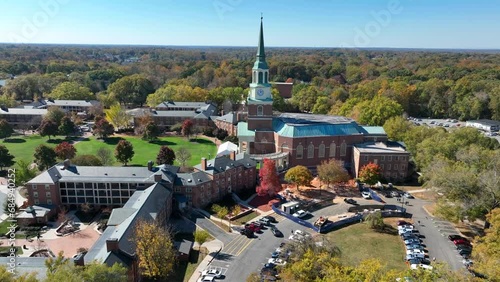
pixel 244 247
pixel 234 245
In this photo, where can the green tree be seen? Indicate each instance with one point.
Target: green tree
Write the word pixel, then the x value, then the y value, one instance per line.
pixel 124 152
pixel 6 159
pixel 55 114
pixel 105 156
pixel 48 128
pixel 375 221
pixel 165 156
pixel 5 129
pixel 45 157
pixel 370 173
pixel 299 175
pixel 71 91
pixel 132 89
pixel 322 105
pixel 155 250
pixel 377 111
pixel 151 131
pixel 117 116
pixel 67 126
pixel 201 236
pixel 397 127
pixel 87 160
pixel 24 172
pixel 65 150
pixel 183 156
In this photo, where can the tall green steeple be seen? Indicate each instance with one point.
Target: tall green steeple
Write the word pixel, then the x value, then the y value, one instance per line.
pixel 260 63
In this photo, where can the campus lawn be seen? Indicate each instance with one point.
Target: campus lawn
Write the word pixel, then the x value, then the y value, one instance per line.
pixel 146 151
pixel 23 147
pixel 358 242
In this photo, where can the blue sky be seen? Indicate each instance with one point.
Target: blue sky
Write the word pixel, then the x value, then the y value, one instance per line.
pixel 297 23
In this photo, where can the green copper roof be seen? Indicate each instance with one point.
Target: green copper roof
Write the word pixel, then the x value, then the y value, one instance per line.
pixel 260 63
pixel 243 130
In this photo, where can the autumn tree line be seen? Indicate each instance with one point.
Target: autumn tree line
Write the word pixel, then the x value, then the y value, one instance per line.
pixel 368 85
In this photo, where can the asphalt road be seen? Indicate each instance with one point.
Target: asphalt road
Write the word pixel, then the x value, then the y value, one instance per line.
pixel 242 256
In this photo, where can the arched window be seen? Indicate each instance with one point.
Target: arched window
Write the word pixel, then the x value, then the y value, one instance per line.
pixel 333 150
pixel 260 77
pixel 321 150
pixel 310 151
pixel 260 110
pixel 300 151
pixel 263 140
pixel 265 77
pixel 343 149
pixel 284 147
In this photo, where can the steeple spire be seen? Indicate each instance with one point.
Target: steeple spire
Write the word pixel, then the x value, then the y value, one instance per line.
pixel 261 55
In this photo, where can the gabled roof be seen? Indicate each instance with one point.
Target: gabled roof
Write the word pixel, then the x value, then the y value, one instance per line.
pixel 243 130
pixel 223 163
pixel 74 103
pixel 184 246
pixel 373 130
pixel 231 117
pixel 147 204
pixel 226 148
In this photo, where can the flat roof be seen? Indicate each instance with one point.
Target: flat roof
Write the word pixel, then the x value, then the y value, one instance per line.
pixel 24 111
pixel 381 147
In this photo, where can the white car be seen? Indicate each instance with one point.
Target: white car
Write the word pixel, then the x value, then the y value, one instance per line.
pixel 415 256
pixel 366 195
pixel 212 272
pixel 300 214
pixel 301 233
pixel 415 252
pixel 406 227
pixel 207 278
pixel 276 261
pixel 408 195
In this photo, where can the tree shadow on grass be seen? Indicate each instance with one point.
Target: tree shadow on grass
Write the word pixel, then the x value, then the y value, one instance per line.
pixel 162 143
pixel 14 140
pixel 112 140
pixel 200 141
pixel 56 141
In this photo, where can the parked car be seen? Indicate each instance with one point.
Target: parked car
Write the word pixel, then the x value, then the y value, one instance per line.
pixel 351 201
pixel 271 219
pixel 464 247
pixel 413 256
pixel 301 233
pixel 276 261
pixel 408 195
pixel 407 226
pixel 265 221
pixel 276 232
pixel 261 225
pixel 420 265
pixel 300 214
pixel 253 227
pixel 408 231
pixel 465 252
pixel 412 241
pixel 461 242
pixel 247 232
pixel 275 254
pixel 395 193
pixel 402 222
pixel 415 247
pixel 212 272
pixel 366 195
pixel 467 263
pixel 416 252
pixel 455 237
pixel 207 278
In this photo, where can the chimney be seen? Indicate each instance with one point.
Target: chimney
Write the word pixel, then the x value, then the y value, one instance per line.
pixel 203 164
pixel 232 155
pixel 157 177
pixel 150 165
pixel 66 163
pixel 112 244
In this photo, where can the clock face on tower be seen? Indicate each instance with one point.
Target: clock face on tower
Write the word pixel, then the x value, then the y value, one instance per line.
pixel 260 92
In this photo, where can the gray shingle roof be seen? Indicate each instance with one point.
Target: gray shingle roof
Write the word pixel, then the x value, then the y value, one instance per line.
pixel 223 163
pixel 230 118
pixel 24 111
pixel 147 204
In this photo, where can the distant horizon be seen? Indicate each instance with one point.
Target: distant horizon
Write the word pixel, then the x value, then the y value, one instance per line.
pixel 423 24
pixel 250 47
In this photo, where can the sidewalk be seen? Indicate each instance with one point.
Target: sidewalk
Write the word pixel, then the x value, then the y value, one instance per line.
pixel 213 247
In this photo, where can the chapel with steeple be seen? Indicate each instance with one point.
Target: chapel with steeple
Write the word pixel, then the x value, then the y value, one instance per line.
pixel 260 103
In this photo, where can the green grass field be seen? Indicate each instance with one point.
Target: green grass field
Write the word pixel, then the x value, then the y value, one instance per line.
pixel 23 147
pixel 358 242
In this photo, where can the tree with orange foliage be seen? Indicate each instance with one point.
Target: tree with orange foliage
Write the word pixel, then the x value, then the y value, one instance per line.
pixel 269 179
pixel 370 173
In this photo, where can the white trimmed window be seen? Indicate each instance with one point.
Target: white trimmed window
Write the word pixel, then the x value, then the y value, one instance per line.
pixel 321 150
pixel 300 151
pixel 35 194
pixel 47 195
pixel 260 110
pixel 343 149
pixel 333 149
pixel 310 151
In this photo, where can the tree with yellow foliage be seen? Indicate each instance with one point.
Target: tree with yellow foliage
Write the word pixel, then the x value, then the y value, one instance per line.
pixel 154 249
pixel 486 252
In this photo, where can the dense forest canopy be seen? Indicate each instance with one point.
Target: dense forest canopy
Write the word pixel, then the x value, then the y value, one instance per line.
pixel 441 84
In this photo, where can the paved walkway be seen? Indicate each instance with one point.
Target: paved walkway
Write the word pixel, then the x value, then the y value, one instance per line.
pixel 213 248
